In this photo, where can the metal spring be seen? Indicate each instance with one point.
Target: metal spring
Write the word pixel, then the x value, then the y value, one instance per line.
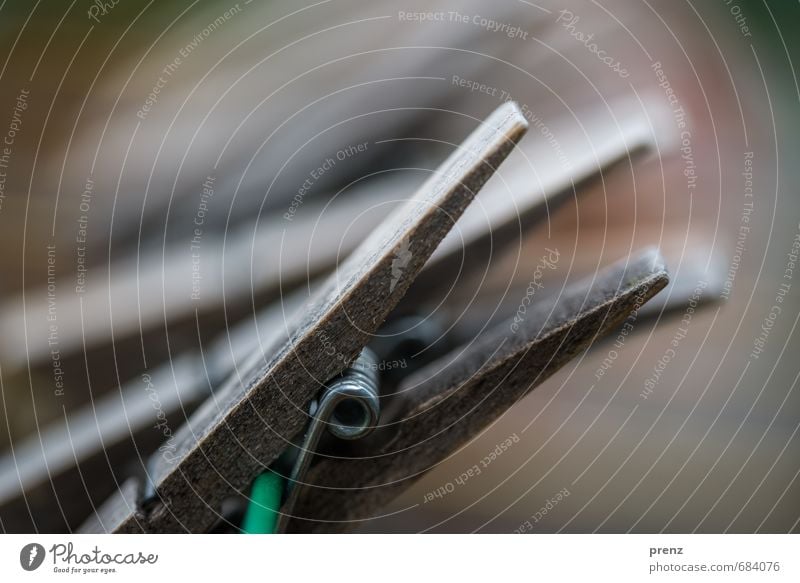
pixel 349 408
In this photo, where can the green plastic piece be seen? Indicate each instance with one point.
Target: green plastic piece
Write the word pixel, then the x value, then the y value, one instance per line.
pixel 261 516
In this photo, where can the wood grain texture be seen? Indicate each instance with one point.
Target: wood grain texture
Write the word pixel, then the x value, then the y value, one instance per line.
pixel 49 481
pixel 518 197
pixel 101 438
pixel 158 280
pixel 246 425
pixel 451 401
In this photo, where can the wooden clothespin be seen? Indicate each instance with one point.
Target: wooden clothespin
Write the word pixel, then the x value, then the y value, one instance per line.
pixel 252 417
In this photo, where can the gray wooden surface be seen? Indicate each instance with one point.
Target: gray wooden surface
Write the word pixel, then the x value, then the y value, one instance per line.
pixel 451 401
pixel 246 425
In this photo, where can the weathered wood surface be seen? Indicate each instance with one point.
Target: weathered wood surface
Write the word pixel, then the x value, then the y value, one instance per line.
pixel 50 481
pixel 246 424
pixel 100 439
pixel 517 198
pixel 159 281
pixel 451 401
